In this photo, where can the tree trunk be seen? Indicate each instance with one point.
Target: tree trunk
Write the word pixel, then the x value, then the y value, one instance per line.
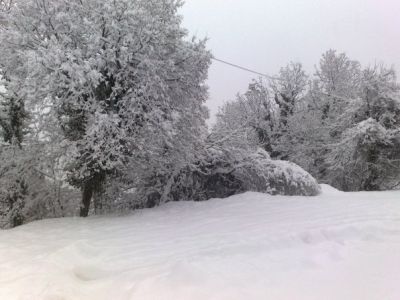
pixel 373 172
pixel 91 187
pixel 87 193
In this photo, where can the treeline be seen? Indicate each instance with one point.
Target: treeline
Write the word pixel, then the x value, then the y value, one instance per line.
pixel 341 124
pixel 102 109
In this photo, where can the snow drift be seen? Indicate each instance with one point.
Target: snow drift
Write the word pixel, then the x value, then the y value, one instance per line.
pixel 251 246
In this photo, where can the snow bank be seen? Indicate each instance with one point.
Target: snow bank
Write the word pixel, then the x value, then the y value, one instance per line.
pixel 327 189
pixel 251 246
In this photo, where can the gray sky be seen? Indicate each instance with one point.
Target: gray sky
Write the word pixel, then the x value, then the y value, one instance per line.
pixel 267 34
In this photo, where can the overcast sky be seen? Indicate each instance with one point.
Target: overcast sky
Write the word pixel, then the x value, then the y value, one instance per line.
pixel 267 34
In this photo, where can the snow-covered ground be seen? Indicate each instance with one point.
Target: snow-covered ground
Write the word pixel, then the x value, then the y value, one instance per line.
pixel 252 246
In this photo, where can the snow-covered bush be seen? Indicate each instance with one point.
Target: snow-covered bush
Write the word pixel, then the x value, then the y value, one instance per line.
pixel 219 174
pixel 277 177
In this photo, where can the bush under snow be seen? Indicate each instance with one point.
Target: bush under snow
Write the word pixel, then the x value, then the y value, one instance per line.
pixel 276 177
pixel 220 174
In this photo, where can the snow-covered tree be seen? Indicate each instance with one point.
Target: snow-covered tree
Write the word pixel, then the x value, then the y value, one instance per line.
pixel 246 130
pixel 338 75
pixel 343 127
pixel 250 118
pixel 367 155
pixel 12 119
pixel 317 120
pixel 123 79
pixel 31 183
pixel 288 88
pixel 367 158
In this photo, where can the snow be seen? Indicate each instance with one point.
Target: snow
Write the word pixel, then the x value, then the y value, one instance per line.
pixel 249 246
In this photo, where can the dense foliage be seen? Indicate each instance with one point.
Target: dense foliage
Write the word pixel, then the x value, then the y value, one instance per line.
pixel 342 124
pixel 103 87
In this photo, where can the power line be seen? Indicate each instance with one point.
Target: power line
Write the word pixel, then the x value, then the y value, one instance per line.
pixel 263 74
pixel 267 76
pixel 238 67
pixel 244 68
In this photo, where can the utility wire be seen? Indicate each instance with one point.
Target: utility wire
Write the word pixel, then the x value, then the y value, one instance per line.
pixel 268 76
pixel 239 67
pixel 244 69
pixel 265 75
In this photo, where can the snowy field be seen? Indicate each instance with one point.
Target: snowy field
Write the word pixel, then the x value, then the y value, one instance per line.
pixel 252 246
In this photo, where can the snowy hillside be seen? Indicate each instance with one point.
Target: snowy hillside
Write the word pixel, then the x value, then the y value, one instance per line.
pixel 251 246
